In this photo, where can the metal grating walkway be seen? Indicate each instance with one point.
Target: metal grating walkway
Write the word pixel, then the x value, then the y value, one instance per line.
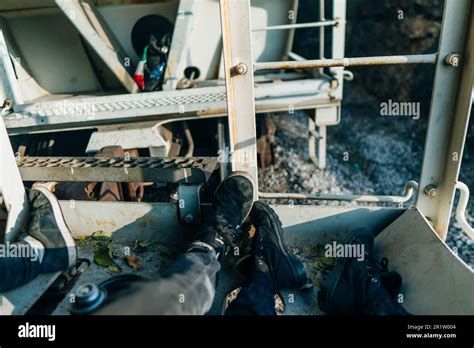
pixel 199 102
pixel 192 170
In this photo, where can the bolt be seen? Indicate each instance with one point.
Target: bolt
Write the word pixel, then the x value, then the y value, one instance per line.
pixel 452 59
pixel 87 293
pixel 431 190
pixel 240 69
pixel 188 218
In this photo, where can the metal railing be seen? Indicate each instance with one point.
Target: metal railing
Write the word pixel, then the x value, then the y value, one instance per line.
pixel 330 23
pixel 346 62
pixel 410 188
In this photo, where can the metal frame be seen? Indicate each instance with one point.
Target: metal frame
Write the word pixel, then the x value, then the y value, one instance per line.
pixel 449 115
pixel 11 187
pixel 183 29
pixel 237 43
pixel 109 54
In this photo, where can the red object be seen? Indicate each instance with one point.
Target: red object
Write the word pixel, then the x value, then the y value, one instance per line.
pixel 139 76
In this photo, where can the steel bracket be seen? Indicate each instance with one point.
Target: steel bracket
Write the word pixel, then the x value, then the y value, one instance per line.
pixel 189 204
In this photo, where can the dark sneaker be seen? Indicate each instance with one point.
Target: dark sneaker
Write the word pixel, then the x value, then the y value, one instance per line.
pixel 271 255
pixel 232 204
pixel 48 232
pixel 360 286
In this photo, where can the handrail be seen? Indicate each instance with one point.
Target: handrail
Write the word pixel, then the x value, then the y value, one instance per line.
pixel 461 209
pixel 299 25
pixel 344 62
pixel 410 187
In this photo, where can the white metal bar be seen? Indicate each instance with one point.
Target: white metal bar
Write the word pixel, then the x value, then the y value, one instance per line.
pixel 74 12
pixel 338 44
pixel 11 187
pixel 410 187
pixel 449 115
pixel 291 32
pixel 298 25
pixel 322 34
pixel 343 62
pixel 181 42
pixel 461 209
pixel 237 48
pixel 9 71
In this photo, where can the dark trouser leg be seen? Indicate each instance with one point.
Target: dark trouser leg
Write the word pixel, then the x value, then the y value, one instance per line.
pixel 17 271
pixel 257 296
pixel 187 287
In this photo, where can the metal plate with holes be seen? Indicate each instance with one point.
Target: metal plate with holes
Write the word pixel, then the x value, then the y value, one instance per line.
pixel 192 170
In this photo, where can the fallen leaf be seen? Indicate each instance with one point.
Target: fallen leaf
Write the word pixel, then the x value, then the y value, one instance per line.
pixel 103 255
pixel 140 245
pixel 133 261
pixel 114 269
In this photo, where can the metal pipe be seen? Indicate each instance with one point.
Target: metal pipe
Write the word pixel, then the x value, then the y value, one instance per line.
pixel 189 140
pixel 330 23
pixel 343 62
pixel 321 33
pixel 410 187
pixel 461 209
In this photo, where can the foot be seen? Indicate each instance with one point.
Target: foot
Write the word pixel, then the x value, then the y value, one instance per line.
pixel 232 204
pixel 360 286
pixel 271 255
pixel 48 232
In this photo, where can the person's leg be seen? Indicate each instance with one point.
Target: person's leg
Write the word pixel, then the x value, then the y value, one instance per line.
pixel 188 285
pixel 273 267
pixel 361 286
pixel 18 270
pixel 256 297
pixel 48 246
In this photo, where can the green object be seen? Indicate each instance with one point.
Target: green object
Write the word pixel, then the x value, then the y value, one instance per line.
pixel 103 255
pixel 145 54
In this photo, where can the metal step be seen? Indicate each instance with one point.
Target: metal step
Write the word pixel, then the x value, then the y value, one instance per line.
pixel 81 112
pixel 192 170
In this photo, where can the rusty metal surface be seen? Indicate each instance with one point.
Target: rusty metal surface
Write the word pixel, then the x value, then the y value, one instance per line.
pixel 135 169
pixel 343 62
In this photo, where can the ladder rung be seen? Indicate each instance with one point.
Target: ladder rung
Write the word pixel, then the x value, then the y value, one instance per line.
pixel 299 25
pixel 343 62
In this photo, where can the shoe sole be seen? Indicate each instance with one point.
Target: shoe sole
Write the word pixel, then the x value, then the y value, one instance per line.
pixel 58 215
pixel 334 277
pixel 278 226
pixel 247 176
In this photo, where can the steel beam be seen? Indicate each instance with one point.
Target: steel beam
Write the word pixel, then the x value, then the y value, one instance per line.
pixel 79 18
pixel 238 60
pixel 449 115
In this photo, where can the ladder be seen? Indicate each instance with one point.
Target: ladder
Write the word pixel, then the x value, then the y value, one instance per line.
pixel 449 113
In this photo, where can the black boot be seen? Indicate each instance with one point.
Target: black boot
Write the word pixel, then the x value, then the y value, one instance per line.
pixel 361 287
pixel 232 204
pixel 48 233
pixel 271 254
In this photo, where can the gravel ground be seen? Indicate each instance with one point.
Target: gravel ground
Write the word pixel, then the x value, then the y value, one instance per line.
pixel 367 153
